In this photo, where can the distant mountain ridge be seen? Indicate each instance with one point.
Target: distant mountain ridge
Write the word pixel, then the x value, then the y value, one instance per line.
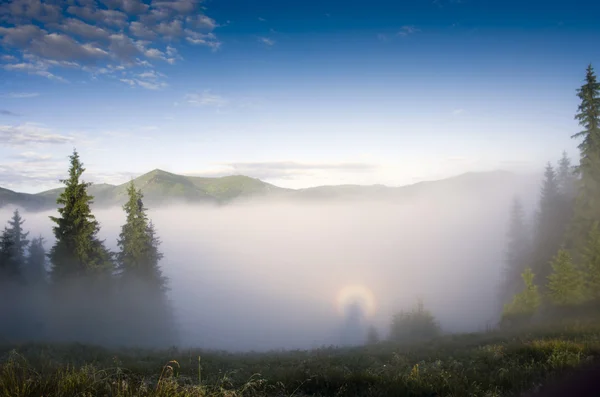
pixel 161 187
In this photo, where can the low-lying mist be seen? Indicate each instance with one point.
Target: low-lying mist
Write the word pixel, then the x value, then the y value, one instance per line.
pixel 265 274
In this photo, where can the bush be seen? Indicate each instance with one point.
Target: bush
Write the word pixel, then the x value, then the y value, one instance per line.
pixel 521 309
pixel 373 336
pixel 414 325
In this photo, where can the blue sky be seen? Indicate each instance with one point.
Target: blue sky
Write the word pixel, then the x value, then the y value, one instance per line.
pixel 297 93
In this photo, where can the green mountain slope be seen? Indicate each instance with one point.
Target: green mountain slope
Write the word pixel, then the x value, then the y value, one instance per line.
pixel 160 187
pixel 30 202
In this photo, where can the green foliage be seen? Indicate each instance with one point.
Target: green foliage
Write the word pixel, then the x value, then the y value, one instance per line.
pixel 77 252
pixel 13 243
pixel 35 269
pixel 524 304
pixel 567 179
pixel 591 262
pixel 138 264
pixel 587 205
pixel 566 284
pixel 19 237
pixel 139 255
pixel 551 222
pixel 477 365
pixel 517 252
pixel 588 114
pixel 414 325
pixel 9 267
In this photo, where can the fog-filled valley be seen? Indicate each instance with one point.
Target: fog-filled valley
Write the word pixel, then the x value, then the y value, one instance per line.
pixel 265 274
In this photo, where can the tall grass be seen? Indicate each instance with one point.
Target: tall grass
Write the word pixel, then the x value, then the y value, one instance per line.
pixel 486 364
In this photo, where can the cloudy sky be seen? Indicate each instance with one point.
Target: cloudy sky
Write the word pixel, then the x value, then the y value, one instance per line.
pixel 298 93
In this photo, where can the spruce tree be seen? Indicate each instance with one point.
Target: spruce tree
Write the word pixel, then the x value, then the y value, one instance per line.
pixel 9 267
pixel 588 117
pixel 139 256
pixel 587 205
pixel 77 251
pixel 35 269
pixel 517 252
pixel 567 178
pixel 566 284
pixel 550 224
pixel 19 237
pixel 143 292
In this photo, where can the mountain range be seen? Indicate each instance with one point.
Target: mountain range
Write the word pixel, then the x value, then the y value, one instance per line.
pixel 161 187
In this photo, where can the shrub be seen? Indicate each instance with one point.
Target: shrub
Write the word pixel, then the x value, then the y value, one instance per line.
pixel 414 325
pixel 519 311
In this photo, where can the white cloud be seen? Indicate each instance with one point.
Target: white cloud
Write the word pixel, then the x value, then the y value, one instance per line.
pixel 407 30
pixel 21 95
pixel 83 29
pixel 151 74
pixel 33 156
pixel 289 169
pixel 151 85
pixel 266 41
pixel 148 80
pixel 129 6
pixel 37 68
pixel 205 99
pixel 78 33
pixel 110 18
pixel 138 29
pixel 36 10
pixel 457 112
pixel 172 29
pixel 208 39
pixel 128 81
pixel 202 22
pixel 30 133
pixel 180 6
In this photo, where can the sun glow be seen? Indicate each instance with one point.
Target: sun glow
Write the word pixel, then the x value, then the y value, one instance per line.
pixel 356 294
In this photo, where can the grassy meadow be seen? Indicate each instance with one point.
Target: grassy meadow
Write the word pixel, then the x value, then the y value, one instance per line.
pixel 486 364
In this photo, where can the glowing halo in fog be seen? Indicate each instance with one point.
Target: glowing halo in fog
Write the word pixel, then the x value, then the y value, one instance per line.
pixel 352 294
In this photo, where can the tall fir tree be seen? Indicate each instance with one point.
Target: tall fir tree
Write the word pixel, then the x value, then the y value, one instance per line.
pixel 518 251
pixel 549 224
pixel 144 287
pixel 9 267
pixel 139 255
pixel 588 116
pixel 567 185
pixel 587 205
pixel 35 268
pixel 77 251
pixel 566 284
pixel 19 238
pixel 566 176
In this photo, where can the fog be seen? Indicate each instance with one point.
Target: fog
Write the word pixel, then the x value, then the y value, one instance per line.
pixel 265 274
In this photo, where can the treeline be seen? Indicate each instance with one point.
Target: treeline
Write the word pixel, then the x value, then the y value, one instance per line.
pixel 79 290
pixel 553 262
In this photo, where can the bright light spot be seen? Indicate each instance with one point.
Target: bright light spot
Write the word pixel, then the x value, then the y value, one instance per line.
pixel 356 294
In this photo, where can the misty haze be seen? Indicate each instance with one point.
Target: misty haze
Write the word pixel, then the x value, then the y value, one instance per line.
pixel 265 273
